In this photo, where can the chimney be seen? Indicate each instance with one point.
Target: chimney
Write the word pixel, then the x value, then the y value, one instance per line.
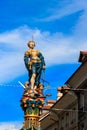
pixel 82 56
pixel 60 94
pixel 61 91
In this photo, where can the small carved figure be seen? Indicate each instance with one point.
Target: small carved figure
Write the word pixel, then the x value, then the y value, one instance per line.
pixel 34 62
pixel 40 89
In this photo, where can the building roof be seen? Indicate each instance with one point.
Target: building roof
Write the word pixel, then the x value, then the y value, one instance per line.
pixel 76 77
pixel 46 107
pixel 82 56
pixel 51 101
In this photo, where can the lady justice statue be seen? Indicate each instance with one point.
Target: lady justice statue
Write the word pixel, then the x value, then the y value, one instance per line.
pixel 33 98
pixel 34 62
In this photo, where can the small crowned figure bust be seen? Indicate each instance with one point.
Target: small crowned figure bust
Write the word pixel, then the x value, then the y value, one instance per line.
pixel 34 62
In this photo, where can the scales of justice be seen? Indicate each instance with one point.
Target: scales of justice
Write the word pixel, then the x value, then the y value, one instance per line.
pixel 33 98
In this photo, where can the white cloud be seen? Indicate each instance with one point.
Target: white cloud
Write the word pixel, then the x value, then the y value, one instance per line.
pixel 65 8
pixel 56 49
pixel 10 125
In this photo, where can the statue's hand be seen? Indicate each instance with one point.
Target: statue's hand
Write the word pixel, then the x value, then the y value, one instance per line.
pixel 30 65
pixel 43 67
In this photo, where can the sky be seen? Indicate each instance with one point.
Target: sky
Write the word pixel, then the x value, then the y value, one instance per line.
pixel 59 28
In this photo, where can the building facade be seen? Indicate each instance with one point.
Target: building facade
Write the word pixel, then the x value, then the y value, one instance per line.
pixel 70 110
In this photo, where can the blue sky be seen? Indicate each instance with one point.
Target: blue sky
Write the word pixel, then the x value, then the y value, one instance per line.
pixel 59 28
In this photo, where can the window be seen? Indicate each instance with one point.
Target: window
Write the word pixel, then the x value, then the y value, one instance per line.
pixel 67 120
pixel 62 123
pixel 73 115
pixel 82 100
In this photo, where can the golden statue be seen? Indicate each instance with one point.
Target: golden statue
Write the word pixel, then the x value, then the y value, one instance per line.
pixel 34 62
